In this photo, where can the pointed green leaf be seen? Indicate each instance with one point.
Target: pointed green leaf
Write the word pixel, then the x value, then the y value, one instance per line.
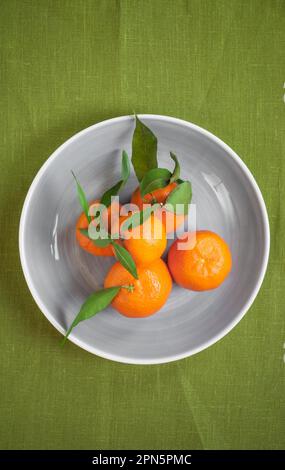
pixel 106 199
pixel 144 149
pixel 95 303
pixel 126 259
pixel 82 199
pixel 182 194
pixel 154 179
pixel 176 172
pixel 156 184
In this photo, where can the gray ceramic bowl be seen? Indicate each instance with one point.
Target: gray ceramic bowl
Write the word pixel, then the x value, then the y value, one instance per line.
pixel 60 275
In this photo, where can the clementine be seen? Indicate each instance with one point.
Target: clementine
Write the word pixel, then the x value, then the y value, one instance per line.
pixel 145 242
pixel 199 260
pixel 84 241
pixel 145 295
pixel 159 195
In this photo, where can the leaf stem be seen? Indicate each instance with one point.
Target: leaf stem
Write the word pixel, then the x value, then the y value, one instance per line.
pixel 129 287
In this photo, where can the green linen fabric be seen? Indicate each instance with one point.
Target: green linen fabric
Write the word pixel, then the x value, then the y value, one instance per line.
pixel 67 64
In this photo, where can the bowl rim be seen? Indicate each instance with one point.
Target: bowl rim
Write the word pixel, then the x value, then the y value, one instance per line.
pixel 205 344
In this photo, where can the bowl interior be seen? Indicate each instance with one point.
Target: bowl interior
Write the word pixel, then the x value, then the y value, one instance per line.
pixel 61 275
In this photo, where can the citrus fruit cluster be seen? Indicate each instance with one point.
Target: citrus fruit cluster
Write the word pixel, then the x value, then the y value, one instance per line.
pixel 146 243
pixel 140 281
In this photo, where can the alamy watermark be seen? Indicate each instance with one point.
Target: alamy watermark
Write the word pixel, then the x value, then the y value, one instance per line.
pixel 149 222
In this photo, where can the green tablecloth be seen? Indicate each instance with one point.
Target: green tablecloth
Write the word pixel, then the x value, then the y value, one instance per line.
pixel 66 64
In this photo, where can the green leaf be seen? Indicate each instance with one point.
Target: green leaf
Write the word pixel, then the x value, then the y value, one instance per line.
pixel 138 218
pixel 125 171
pixel 82 199
pixel 154 179
pixel 100 242
pixel 114 190
pixel 182 194
pixel 144 149
pixel 94 304
pixel 125 258
pixel 176 172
